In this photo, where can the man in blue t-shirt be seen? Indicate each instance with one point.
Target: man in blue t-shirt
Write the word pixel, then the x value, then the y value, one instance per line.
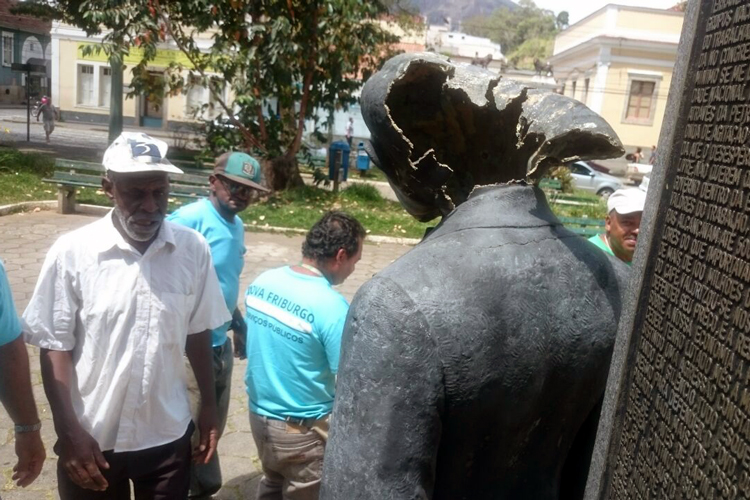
pixel 235 177
pixel 15 390
pixel 295 320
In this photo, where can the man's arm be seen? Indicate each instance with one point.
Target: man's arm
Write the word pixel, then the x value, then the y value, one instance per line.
pixel 389 400
pixel 17 397
pixel 79 452
pixel 239 327
pixel 200 355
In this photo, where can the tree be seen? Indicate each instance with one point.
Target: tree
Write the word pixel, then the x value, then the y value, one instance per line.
pixel 524 34
pixel 563 20
pixel 280 61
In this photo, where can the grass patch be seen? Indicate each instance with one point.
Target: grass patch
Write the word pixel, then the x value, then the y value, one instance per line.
pixel 597 209
pixel 373 174
pixel 21 177
pixel 302 207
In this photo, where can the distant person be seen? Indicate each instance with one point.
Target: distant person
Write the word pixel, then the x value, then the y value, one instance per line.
pixel 622 224
pixel 350 131
pixel 652 158
pixel 49 113
pixel 15 391
pixel 117 304
pixel 236 175
pixel 295 321
pixel 638 155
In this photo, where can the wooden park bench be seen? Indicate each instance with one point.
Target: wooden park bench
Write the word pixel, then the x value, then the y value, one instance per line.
pixel 70 175
pixel 314 161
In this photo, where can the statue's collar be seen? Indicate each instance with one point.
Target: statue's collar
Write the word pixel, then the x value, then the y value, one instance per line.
pixel 499 206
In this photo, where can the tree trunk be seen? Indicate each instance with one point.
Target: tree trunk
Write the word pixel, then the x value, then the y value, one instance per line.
pixel 283 173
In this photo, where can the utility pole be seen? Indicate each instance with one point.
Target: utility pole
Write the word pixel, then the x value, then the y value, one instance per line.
pixel 115 97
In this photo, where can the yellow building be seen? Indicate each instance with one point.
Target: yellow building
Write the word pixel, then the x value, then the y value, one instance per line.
pixel 81 85
pixel 619 61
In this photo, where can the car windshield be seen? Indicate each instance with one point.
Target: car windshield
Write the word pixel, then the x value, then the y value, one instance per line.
pixel 577 168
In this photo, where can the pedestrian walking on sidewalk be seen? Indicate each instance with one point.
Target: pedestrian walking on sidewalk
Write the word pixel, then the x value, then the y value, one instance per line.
pixel 49 113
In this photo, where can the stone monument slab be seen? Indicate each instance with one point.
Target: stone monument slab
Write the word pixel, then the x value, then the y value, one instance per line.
pixel 676 417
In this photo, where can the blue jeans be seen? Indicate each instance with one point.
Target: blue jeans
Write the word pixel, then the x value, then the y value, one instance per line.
pixel 205 479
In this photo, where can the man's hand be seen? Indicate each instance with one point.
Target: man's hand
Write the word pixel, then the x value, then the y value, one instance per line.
pixel 208 427
pixel 240 337
pixel 31 455
pixel 83 460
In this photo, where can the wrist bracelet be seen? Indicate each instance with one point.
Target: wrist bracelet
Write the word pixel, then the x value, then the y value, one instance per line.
pixel 22 429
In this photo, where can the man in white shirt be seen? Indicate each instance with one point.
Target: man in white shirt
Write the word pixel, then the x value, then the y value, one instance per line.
pixel 117 304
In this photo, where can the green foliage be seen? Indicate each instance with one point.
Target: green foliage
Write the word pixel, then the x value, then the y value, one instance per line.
pixel 531 49
pixel 524 34
pixel 365 193
pixel 562 174
pixel 13 161
pixel 282 61
pixel 21 177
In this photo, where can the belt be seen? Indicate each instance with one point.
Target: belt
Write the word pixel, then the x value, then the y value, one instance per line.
pixel 306 422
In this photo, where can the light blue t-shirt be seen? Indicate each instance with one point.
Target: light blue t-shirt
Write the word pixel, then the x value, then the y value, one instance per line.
pixel 10 326
pixel 227 242
pixel 294 327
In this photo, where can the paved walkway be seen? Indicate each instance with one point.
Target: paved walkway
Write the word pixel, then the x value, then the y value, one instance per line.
pixel 24 241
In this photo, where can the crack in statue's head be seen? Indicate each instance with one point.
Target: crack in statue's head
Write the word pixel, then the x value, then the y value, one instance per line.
pixel 439 130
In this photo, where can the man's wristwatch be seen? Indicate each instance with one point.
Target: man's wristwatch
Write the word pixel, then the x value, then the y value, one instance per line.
pixel 22 429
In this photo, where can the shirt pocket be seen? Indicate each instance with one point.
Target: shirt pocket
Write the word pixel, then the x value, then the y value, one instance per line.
pixel 173 312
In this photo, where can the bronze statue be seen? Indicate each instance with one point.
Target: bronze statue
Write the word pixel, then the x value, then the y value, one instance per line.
pixel 474 366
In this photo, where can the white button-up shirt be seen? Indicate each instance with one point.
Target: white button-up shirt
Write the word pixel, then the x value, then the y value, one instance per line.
pixel 126 317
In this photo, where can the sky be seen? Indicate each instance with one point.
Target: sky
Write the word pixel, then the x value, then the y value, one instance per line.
pixel 578 9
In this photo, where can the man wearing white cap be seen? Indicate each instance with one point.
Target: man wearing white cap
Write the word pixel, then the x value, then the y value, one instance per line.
pixel 117 304
pixel 624 211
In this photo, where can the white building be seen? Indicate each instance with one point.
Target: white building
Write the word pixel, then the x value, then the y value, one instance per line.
pixel 455 44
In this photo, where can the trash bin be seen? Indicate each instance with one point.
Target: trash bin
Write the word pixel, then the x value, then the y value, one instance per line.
pixel 338 156
pixel 363 160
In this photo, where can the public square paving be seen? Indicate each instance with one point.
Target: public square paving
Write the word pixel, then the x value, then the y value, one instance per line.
pixel 24 241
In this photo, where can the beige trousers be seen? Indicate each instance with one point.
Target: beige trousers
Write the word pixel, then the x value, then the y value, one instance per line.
pixel 292 458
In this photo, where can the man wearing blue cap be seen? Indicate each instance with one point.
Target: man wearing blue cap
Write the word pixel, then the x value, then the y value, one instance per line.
pixel 235 176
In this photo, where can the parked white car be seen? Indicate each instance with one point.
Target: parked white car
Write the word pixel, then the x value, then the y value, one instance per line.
pixel 588 179
pixel 636 171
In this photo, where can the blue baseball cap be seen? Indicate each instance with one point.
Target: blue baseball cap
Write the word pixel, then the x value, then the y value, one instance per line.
pixel 240 168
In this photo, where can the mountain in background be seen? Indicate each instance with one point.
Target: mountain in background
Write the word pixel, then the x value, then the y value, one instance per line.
pixel 437 11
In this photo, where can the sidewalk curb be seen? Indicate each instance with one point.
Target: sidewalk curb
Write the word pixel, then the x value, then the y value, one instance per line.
pixel 98 210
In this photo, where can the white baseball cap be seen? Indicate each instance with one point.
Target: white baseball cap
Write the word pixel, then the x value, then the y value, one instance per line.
pixel 626 201
pixel 134 152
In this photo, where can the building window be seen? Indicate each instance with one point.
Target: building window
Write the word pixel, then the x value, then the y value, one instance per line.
pixel 573 90
pixel 7 49
pixel 197 95
pixel 639 101
pixel 105 86
pixel 641 97
pixel 86 85
pixel 201 102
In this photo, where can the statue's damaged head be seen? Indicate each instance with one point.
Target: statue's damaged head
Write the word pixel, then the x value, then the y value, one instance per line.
pixel 439 130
